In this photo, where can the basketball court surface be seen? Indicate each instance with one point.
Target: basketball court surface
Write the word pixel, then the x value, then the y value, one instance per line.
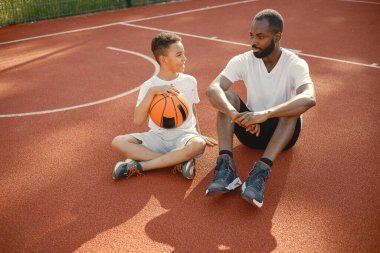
pixel 69 86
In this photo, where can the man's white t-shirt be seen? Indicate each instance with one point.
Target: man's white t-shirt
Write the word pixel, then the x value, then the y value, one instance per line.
pixel 265 90
pixel 187 85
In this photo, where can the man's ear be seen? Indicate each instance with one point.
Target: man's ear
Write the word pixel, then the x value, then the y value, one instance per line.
pixel 277 36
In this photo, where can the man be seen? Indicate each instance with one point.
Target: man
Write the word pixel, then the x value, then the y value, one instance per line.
pixel 279 90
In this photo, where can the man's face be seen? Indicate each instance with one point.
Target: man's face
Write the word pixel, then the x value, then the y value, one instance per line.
pixel 262 38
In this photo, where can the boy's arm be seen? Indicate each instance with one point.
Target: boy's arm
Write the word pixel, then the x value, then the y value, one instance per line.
pixel 142 109
pixel 209 141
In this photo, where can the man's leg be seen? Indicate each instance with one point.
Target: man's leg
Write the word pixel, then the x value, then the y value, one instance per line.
pixel 253 188
pixel 281 137
pixel 225 127
pixel 225 178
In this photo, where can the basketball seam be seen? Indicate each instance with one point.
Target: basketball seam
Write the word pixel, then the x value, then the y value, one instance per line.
pixel 175 111
pixel 187 109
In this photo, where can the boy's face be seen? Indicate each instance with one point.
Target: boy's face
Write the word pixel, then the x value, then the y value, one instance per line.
pixel 175 58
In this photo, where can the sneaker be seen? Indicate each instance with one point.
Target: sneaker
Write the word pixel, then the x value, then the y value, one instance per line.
pixel 188 169
pixel 253 188
pixel 126 169
pixel 225 177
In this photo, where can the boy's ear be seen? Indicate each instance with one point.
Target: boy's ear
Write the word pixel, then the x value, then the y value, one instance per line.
pixel 162 59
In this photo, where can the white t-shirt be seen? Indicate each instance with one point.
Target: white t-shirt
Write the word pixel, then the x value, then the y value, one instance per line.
pixel 187 85
pixel 265 90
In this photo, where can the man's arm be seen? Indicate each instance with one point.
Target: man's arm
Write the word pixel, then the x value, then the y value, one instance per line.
pixel 303 101
pixel 217 97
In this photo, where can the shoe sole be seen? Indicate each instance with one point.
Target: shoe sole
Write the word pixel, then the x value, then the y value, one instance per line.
pixel 251 201
pixel 232 186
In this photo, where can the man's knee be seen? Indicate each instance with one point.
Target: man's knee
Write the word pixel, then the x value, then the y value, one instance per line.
pixel 287 121
pixel 233 99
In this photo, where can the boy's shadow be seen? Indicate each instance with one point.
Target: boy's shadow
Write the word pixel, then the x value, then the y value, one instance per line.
pixel 83 209
pixel 210 224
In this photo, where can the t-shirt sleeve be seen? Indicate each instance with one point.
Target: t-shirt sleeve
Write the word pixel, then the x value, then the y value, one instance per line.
pixel 143 90
pixel 233 70
pixel 300 72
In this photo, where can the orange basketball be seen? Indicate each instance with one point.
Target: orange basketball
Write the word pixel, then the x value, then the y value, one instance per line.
pixel 169 111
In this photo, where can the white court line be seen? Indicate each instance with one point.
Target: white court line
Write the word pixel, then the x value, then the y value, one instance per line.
pixel 58 33
pixel 373 65
pixel 190 11
pixel 156 66
pixel 130 21
pixel 355 1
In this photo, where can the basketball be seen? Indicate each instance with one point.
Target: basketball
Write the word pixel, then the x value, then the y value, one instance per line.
pixel 169 111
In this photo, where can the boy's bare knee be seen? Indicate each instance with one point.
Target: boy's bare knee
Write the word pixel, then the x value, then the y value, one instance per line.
pixel 197 146
pixel 116 141
pixel 122 140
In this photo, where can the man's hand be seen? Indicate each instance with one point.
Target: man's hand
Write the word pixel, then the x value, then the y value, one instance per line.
pixel 246 119
pixel 254 129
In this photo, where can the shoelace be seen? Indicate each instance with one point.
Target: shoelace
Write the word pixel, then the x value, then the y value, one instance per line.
pixel 260 175
pixel 222 173
pixel 134 171
pixel 177 168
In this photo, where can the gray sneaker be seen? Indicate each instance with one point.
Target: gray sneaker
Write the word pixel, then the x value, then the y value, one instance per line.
pixel 253 188
pixel 188 169
pixel 225 177
pixel 126 168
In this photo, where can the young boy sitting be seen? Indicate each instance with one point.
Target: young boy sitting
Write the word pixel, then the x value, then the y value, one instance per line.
pixel 161 148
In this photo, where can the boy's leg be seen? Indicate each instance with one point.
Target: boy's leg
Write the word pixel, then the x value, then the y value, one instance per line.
pixel 194 147
pixel 130 147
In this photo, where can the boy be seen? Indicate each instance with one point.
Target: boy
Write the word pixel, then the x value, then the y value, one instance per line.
pixel 160 148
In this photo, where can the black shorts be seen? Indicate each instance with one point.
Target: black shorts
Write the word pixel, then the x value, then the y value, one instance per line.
pixel 266 131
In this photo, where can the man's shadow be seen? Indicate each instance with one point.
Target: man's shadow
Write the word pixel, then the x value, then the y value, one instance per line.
pixel 222 223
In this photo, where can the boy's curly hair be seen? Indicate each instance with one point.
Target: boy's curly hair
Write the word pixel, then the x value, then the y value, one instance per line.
pixel 162 42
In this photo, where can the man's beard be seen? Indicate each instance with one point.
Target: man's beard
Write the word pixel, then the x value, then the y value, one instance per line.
pixel 267 51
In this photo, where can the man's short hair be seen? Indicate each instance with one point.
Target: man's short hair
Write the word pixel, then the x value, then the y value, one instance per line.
pixel 275 20
pixel 162 42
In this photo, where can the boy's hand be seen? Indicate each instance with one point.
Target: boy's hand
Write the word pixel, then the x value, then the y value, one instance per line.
pixel 170 90
pixel 210 141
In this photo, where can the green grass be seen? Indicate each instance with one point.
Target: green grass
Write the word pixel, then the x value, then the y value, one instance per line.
pixel 23 11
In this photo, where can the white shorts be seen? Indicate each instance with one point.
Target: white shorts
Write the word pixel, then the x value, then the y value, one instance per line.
pixel 166 141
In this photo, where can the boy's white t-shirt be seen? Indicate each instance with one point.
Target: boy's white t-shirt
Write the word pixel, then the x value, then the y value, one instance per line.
pixel 265 90
pixel 187 85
